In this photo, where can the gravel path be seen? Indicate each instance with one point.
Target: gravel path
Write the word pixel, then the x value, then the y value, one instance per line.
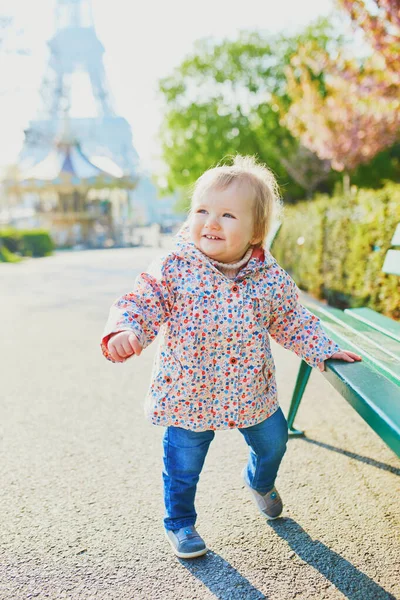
pixel 80 468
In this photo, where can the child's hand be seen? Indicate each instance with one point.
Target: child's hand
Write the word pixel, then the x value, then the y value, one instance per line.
pixel 122 345
pixel 341 355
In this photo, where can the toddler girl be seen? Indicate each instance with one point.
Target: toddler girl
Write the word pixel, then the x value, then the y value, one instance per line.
pixel 218 299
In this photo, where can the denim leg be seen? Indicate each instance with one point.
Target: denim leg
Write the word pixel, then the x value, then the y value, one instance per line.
pixel 267 442
pixel 184 455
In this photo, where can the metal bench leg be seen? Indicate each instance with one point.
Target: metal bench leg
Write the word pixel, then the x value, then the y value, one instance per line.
pixel 301 382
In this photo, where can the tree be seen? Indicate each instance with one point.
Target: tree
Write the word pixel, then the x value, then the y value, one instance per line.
pixel 347 123
pixel 381 29
pixel 226 98
pixel 345 110
pixel 306 169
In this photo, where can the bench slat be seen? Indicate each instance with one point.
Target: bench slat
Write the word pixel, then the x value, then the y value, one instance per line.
pixel 391 264
pixel 372 354
pixel 396 236
pixel 357 383
pixel 372 387
pixel 370 317
pixel 379 339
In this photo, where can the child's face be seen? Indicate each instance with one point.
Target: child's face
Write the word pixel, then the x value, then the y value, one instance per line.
pixel 222 223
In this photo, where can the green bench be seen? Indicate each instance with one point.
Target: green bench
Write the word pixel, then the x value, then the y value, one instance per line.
pixel 372 387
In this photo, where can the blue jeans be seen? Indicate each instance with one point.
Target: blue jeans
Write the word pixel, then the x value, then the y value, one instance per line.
pixel 185 452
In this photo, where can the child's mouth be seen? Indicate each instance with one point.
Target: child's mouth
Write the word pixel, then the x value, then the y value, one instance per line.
pixel 212 237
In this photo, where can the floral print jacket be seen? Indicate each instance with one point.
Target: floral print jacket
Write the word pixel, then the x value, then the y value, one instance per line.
pixel 214 368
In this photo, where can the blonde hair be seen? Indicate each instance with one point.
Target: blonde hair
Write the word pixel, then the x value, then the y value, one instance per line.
pixel 246 171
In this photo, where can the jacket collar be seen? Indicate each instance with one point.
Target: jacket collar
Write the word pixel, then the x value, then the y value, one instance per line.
pixel 187 251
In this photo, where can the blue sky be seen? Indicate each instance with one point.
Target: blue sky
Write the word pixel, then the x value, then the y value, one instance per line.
pixel 143 42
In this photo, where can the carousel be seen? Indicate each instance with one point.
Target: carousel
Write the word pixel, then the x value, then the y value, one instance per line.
pixel 80 201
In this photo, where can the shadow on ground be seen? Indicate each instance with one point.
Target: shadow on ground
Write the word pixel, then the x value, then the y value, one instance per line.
pixel 369 461
pixel 226 583
pixel 353 584
pixel 223 580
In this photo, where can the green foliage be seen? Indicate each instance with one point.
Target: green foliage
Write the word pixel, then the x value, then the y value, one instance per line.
pixel 345 105
pixel 384 166
pixel 7 256
pixel 11 240
pixel 227 98
pixel 35 242
pixel 345 243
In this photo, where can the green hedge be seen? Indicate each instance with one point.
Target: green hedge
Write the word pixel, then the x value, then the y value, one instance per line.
pixel 36 243
pixel 7 256
pixel 345 242
pixel 33 242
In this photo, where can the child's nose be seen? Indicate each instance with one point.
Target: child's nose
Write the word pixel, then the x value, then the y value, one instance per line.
pixel 212 222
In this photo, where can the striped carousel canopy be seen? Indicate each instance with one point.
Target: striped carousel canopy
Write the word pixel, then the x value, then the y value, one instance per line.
pixel 69 160
pixel 66 167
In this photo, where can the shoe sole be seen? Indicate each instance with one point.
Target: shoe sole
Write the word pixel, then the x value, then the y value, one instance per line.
pixel 186 554
pixel 259 509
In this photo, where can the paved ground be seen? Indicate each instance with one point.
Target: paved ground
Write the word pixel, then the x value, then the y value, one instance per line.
pixel 80 468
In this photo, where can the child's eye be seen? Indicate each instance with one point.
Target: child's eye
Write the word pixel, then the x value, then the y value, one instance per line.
pixel 228 215
pixel 201 211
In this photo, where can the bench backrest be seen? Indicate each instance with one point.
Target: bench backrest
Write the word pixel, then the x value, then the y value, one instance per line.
pixel 392 258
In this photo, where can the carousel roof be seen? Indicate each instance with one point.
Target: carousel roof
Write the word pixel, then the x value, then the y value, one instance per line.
pixel 66 166
pixel 70 160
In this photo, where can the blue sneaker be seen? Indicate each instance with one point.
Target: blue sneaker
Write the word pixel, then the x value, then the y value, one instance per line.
pixel 270 504
pixel 186 542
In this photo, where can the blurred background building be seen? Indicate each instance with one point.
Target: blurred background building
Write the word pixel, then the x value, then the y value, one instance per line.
pixel 81 176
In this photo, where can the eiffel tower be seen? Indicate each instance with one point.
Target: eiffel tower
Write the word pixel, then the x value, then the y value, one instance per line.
pixel 75 67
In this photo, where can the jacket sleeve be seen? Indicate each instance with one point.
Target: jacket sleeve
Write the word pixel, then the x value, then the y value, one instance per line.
pixel 296 328
pixel 142 311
